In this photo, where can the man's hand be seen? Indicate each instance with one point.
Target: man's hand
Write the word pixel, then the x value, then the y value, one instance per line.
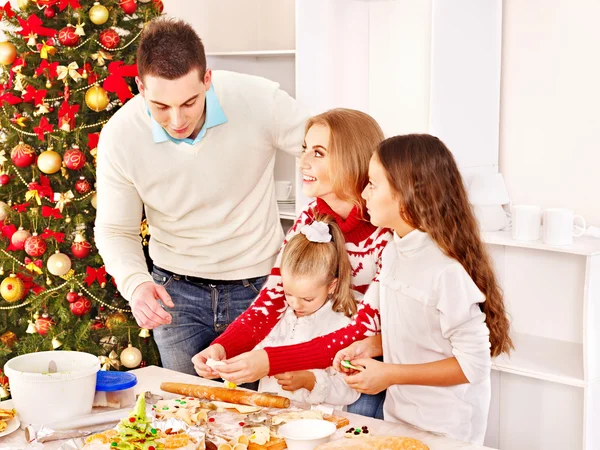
pixel 216 352
pixel 375 378
pixel 245 368
pixel 292 381
pixel 145 307
pixel 367 348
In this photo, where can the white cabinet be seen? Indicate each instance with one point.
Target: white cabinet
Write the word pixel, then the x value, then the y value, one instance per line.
pixel 546 394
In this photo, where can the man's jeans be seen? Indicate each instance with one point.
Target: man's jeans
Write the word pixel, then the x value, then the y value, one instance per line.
pixel 202 312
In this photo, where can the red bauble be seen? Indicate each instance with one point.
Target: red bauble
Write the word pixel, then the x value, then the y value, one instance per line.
pixel 22 155
pixel 81 250
pixel 67 36
pixel 81 306
pixel 35 246
pixel 4 179
pixel 49 12
pixel 129 6
pixel 158 4
pixel 83 186
pixel 72 296
pixel 74 159
pixel 98 324
pixel 43 324
pixel 109 38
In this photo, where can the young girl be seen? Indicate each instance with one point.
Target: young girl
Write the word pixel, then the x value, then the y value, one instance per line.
pixel 442 313
pixel 316 277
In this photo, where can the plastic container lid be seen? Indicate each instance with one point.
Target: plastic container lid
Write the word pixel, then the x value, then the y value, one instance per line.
pixel 107 381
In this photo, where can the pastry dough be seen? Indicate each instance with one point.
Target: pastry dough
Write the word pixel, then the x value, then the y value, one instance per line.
pixel 242 409
pixel 375 443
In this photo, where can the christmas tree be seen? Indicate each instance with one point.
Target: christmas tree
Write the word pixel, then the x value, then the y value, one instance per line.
pixel 66 67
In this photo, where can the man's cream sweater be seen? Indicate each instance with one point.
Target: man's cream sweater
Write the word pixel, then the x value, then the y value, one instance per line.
pixel 210 206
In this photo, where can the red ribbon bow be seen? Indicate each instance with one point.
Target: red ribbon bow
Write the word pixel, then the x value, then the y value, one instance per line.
pixel 33 25
pixel 48 233
pixel 96 274
pixel 29 284
pixel 31 94
pixel 10 98
pixel 42 128
pixel 115 82
pixel 93 140
pixel 22 207
pixel 48 211
pixel 92 77
pixel 6 9
pixel 50 69
pixel 38 262
pixel 43 187
pixel 67 113
pixel 7 232
pixel 62 4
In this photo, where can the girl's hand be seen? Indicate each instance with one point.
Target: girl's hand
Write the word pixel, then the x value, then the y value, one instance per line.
pixel 292 381
pixel 374 379
pixel 367 348
pixel 216 352
pixel 245 368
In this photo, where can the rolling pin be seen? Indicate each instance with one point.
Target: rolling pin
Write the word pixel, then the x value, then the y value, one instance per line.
pixel 236 396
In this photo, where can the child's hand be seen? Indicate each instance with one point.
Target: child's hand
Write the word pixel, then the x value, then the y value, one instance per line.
pixel 372 380
pixel 216 352
pixel 245 368
pixel 359 349
pixel 292 381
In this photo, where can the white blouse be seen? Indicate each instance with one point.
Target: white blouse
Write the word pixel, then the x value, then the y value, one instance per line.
pixel 430 311
pixel 330 387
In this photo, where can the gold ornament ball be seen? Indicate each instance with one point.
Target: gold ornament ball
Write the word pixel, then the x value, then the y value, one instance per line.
pixel 12 288
pixel 48 84
pixel 49 162
pixel 94 200
pixel 22 4
pixel 131 357
pixel 96 98
pixel 59 264
pixel 98 14
pixel 115 319
pixel 8 53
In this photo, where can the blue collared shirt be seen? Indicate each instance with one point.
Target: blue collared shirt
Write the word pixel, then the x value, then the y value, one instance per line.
pixel 214 116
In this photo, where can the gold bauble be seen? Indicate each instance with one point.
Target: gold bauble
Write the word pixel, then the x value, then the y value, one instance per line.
pixel 22 4
pixel 94 200
pixel 8 53
pixel 98 14
pixel 48 84
pixel 131 357
pixel 59 264
pixel 96 98
pixel 49 162
pixel 12 288
pixel 115 319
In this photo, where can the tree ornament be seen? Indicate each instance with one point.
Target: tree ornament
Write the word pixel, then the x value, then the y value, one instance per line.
pixel 112 360
pixel 4 179
pixel 36 315
pixel 48 281
pixel 131 357
pixel 72 296
pixel 8 53
pixel 48 84
pixel 49 12
pixel 81 306
pixel 144 333
pixel 4 209
pixel 22 155
pixel 56 343
pixel 128 6
pixel 115 319
pixel 12 288
pixel 158 5
pixel 9 339
pixel 19 237
pixel 96 98
pixel 97 323
pixel 144 1
pixel 31 329
pixel 68 219
pixel 68 36
pixel 43 324
pixel 143 363
pixel 83 186
pixel 109 38
pixel 35 246
pixel 22 4
pixel 74 158
pixel 49 161
pixel 59 264
pixel 98 14
pixel 81 248
pixel 94 200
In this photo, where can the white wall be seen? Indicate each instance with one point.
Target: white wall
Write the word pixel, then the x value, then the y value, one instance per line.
pixel 550 104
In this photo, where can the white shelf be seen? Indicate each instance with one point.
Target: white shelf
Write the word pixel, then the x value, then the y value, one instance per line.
pixel 544 359
pixel 287 211
pixel 584 245
pixel 255 53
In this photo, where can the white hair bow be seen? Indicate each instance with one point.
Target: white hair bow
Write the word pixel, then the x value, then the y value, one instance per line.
pixel 316 232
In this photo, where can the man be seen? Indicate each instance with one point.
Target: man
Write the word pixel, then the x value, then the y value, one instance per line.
pixel 196 149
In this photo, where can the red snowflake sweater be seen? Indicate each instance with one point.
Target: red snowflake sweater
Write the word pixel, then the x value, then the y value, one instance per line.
pixel 364 243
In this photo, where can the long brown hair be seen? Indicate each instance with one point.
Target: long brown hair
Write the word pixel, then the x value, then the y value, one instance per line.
pixel 424 175
pixel 328 260
pixel 353 137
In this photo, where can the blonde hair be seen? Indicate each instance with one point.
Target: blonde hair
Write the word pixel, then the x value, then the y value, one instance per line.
pixel 302 257
pixel 353 137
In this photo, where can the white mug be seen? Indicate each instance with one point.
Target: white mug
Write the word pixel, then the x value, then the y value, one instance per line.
pixel 283 189
pixel 526 222
pixel 559 226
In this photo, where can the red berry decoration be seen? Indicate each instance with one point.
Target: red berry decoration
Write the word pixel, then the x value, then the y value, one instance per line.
pixel 49 12
pixel 74 158
pixel 109 38
pixel 35 246
pixel 81 249
pixel 4 179
pixel 22 155
pixel 43 324
pixel 68 37
pixel 83 186
pixel 128 6
pixel 81 306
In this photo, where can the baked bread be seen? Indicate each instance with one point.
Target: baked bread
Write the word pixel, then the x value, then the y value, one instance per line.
pixel 375 443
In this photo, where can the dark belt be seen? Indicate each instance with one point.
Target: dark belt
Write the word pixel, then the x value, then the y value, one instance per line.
pixel 198 280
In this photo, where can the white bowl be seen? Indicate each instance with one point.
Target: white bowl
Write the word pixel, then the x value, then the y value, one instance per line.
pixel 42 397
pixel 306 434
